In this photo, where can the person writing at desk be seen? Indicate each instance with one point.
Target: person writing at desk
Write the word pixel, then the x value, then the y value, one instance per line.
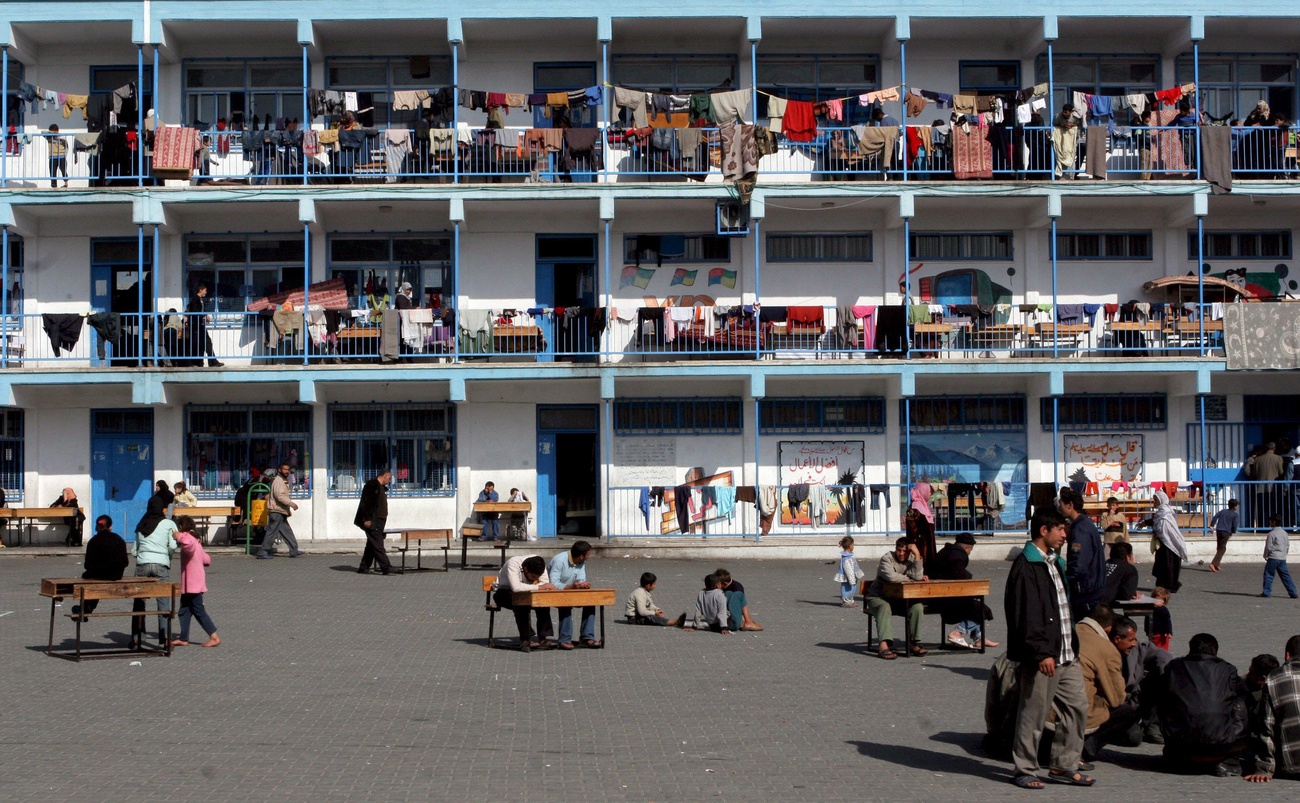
pixel 106 559
pixel 75 524
pixel 491 529
pixel 569 570
pixel 525 573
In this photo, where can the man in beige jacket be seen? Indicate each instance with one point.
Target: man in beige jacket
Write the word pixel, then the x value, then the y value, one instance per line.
pixel 279 507
pixel 1109 712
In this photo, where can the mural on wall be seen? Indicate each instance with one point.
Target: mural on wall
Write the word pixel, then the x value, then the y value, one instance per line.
pixel 1269 283
pixel 960 286
pixel 819 463
pixel 976 457
pixel 1103 458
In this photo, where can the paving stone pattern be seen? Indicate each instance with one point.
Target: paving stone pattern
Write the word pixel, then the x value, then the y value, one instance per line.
pixel 334 686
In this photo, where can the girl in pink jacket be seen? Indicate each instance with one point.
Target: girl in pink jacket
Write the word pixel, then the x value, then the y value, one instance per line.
pixel 194 583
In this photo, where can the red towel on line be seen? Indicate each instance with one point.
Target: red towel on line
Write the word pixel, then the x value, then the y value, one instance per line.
pixel 799 124
pixel 805 315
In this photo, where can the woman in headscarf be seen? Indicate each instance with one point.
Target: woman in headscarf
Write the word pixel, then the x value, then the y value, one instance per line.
pixel 1168 543
pixel 920 521
pixel 75 524
pixel 163 493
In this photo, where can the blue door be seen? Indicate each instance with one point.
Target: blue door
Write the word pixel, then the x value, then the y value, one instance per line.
pixel 121 466
pixel 565 276
pixel 568 470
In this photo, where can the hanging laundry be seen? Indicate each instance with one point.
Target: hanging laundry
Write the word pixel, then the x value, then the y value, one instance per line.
pixel 940 99
pixel 775 112
pixel 835 110
pixel 732 106
pixel 799 123
pixel 635 102
pixel 915 104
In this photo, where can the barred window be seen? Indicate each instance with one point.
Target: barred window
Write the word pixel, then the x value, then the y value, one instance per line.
pixel 967 413
pixel 415 441
pixel 959 246
pixel 12 449
pixel 819 247
pixel 794 416
pixel 1119 246
pixel 1107 412
pixel 222 442
pixel 695 416
pixel 1242 245
pixel 654 249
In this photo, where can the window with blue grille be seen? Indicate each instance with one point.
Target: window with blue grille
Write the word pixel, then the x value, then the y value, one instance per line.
pixel 1242 245
pixel 656 249
pixel 223 441
pixel 966 413
pixel 957 246
pixel 819 247
pixel 796 415
pixel 694 416
pixel 1120 246
pixel 415 441
pixel 1107 412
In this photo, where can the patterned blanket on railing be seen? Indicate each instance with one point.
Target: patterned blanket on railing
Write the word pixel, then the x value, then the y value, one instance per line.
pixel 174 148
pixel 1262 336
pixel 972 153
pixel 331 294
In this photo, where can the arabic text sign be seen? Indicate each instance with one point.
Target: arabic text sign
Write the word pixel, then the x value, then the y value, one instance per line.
pixel 1104 458
pixel 820 462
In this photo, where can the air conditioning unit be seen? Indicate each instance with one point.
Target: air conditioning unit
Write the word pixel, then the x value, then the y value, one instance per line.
pixel 733 219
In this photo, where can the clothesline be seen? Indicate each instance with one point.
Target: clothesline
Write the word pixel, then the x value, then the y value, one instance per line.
pixel 68 101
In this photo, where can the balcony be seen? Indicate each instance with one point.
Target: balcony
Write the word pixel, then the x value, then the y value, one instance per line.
pixel 647 334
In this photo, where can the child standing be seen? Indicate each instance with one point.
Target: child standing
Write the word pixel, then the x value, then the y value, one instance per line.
pixel 194 583
pixel 710 608
pixel 1162 624
pixel 58 147
pixel 1225 526
pixel 517 529
pixel 850 575
pixel 641 608
pixel 1276 548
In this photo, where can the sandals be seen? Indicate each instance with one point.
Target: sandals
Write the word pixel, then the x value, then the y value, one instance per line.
pixel 591 644
pixel 918 651
pixel 887 654
pixel 566 645
pixel 1071 779
pixel 1028 782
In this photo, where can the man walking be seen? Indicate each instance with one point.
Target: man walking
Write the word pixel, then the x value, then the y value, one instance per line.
pixel 1276 548
pixel 1085 561
pixel 1042 641
pixel 279 507
pixel 372 515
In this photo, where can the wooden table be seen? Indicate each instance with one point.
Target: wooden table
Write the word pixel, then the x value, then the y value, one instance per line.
pixel 568 598
pixel 205 513
pixel 81 589
pixel 994 336
pixel 419 537
pixel 929 590
pixel 510 339
pixel 50 515
pixel 493 507
pixel 1058 335
pixel 1133 608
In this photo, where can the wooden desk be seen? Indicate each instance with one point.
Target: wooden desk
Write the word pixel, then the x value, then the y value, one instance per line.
pixel 493 507
pixel 419 537
pixel 205 513
pixel 1133 608
pixel 568 598
pixel 49 515
pixel 57 588
pixel 507 339
pixel 1061 334
pixel 995 336
pixel 927 590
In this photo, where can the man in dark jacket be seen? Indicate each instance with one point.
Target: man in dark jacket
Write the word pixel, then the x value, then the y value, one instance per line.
pixel 951 563
pixel 372 514
pixel 105 559
pixel 1085 558
pixel 1121 574
pixel 1042 642
pixel 1203 710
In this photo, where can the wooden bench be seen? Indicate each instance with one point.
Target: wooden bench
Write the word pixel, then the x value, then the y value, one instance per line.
pixel 203 515
pixel 470 532
pixel 135 588
pixel 31 515
pixel 926 591
pixel 1060 335
pixel 418 537
pixel 510 339
pixel 994 337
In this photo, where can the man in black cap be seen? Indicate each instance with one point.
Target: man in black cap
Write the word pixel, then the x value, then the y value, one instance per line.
pixel 950 563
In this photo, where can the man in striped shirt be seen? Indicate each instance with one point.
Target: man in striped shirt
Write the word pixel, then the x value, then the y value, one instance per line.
pixel 1278 736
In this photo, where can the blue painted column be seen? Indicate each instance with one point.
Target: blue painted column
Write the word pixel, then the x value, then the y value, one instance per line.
pixel 455 292
pixel 4 120
pixel 753 81
pixel 455 122
pixel 1056 442
pixel 306 288
pixel 605 99
pixel 907 448
pixel 1196 104
pixel 907 285
pixel 306 114
pixel 1051 100
pixel 758 296
pixel 1056 351
pixel 609 294
pixel 4 293
pixel 1205 503
pixel 608 459
pixel 758 462
pixel 155 331
pixel 902 100
pixel 139 129
pixel 139 290
pixel 1200 281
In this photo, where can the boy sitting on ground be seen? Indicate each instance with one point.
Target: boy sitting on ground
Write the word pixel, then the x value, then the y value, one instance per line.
pixel 710 608
pixel 641 608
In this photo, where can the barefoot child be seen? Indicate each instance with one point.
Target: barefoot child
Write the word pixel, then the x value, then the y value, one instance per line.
pixel 850 574
pixel 1162 624
pixel 710 608
pixel 641 608
pixel 194 584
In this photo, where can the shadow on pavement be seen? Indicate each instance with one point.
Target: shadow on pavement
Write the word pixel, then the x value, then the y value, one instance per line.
pixel 972 743
pixel 931 760
pixel 974 672
pixel 855 647
pixel 819 602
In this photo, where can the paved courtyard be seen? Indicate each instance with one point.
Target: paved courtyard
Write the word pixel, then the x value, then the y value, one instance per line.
pixel 334 686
